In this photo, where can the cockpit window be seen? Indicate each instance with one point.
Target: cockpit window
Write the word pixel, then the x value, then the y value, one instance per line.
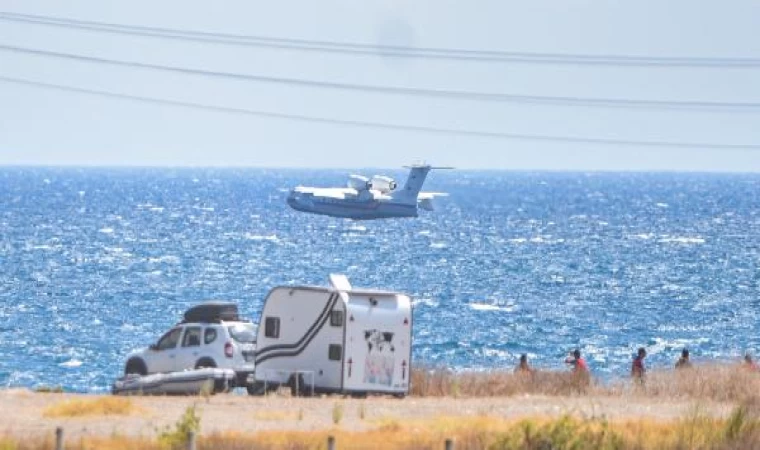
pixel 243 332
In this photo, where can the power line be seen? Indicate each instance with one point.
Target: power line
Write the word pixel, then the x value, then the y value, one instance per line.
pixel 383 50
pixel 382 125
pixel 397 90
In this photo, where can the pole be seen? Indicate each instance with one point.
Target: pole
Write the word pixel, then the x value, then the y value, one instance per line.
pixel 330 443
pixel 449 444
pixel 191 440
pixel 59 438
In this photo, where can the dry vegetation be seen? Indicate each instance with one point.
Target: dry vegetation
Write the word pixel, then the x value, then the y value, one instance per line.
pixel 101 406
pixel 709 382
pixel 695 431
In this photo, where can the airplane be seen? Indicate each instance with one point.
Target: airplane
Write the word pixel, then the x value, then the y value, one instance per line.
pixel 369 198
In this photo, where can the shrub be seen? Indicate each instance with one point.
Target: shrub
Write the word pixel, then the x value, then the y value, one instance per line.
pixel 174 438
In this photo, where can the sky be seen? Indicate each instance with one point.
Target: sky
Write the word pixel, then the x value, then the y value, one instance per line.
pixel 42 126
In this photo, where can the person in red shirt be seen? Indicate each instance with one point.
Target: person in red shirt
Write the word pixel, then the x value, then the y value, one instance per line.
pixel 578 363
pixel 637 367
pixel 581 376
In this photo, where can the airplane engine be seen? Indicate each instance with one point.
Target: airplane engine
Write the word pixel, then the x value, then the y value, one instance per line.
pixel 359 183
pixel 382 184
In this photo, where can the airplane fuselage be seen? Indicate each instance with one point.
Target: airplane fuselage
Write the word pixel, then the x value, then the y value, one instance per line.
pixel 364 199
pixel 352 208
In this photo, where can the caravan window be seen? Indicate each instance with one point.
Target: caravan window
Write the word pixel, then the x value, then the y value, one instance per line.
pixel 336 318
pixel 272 327
pixel 335 352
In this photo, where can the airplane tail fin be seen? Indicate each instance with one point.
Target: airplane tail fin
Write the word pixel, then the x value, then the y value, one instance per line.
pixel 415 180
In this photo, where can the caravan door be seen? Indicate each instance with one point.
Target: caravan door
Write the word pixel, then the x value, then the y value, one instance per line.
pixel 378 343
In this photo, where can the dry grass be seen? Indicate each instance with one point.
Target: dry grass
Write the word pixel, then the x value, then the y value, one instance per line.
pixel 709 382
pixel 694 431
pixel 446 383
pixel 101 406
pixel 714 382
pixel 278 415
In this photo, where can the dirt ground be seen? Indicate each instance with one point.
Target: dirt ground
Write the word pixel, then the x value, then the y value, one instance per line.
pixel 21 411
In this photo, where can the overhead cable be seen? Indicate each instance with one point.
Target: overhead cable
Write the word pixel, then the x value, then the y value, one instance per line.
pixel 399 90
pixel 394 51
pixel 384 125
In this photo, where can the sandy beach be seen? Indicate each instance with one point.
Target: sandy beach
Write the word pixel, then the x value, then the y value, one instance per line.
pixel 24 412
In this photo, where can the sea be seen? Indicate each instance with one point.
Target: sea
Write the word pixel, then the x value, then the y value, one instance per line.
pixel 95 262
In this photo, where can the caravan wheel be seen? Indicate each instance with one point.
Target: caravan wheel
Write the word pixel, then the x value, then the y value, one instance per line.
pixel 298 387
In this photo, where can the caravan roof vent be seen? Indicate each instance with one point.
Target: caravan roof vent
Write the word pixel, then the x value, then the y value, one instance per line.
pixel 210 312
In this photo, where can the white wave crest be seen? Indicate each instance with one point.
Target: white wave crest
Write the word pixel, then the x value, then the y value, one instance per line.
pixel 71 363
pixel 492 307
pixel 168 259
pixel 682 240
pixel 425 302
pixel 260 237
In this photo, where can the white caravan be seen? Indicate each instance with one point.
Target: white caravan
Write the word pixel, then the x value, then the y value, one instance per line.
pixel 335 340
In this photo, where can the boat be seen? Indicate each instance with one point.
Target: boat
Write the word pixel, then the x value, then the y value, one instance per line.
pixel 187 382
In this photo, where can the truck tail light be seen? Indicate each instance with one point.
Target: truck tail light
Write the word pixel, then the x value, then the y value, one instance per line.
pixel 228 349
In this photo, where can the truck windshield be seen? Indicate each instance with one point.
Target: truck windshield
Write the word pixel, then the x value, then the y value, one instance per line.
pixel 243 332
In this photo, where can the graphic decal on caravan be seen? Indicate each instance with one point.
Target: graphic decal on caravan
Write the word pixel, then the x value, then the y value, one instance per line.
pixel 280 350
pixel 380 361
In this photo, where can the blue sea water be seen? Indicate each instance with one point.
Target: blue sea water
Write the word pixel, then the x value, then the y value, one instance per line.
pixel 96 262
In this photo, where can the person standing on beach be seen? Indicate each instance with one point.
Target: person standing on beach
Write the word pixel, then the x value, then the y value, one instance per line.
pixel 637 367
pixel 749 364
pixel 522 366
pixel 683 362
pixel 581 376
pixel 578 363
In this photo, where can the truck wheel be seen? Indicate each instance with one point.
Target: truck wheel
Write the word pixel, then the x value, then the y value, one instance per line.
pixel 256 388
pixel 204 363
pixel 135 366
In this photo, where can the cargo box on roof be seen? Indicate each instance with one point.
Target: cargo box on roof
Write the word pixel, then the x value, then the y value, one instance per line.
pixel 212 312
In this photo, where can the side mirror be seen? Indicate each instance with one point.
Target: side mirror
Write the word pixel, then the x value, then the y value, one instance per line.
pixel 153 347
